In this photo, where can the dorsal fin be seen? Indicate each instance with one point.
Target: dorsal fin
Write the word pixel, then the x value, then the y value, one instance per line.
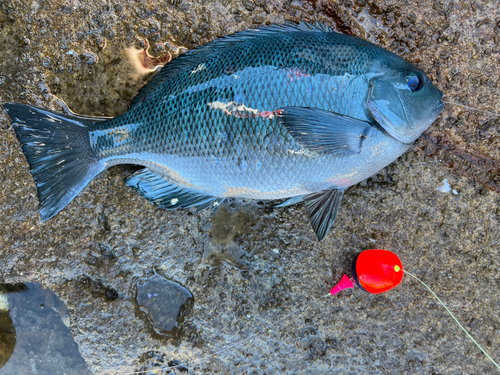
pixel 194 59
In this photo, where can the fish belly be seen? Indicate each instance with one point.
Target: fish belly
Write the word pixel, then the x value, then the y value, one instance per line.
pixel 277 171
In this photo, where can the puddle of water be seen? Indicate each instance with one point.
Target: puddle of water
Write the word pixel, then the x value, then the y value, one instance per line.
pixel 165 303
pixel 7 330
pixel 34 333
pixel 232 219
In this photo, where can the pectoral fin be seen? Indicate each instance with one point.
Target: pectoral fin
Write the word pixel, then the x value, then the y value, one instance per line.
pixel 165 194
pixel 325 132
pixel 322 209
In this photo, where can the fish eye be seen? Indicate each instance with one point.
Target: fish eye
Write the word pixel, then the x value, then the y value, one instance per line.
pixel 414 80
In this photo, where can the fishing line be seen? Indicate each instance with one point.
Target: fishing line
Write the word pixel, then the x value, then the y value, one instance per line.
pixel 453 316
pixel 471 108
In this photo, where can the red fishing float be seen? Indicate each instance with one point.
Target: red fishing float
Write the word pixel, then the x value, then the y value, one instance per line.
pixel 374 271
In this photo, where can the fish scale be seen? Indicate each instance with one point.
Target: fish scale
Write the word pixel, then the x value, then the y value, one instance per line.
pixel 286 111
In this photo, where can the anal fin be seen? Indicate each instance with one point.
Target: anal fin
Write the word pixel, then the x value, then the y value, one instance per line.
pixel 165 194
pixel 291 201
pixel 322 209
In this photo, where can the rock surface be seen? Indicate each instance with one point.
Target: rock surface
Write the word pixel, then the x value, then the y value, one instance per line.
pixel 246 285
pixel 42 342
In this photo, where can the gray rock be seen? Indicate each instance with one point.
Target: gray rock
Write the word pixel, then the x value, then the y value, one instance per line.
pixel 42 343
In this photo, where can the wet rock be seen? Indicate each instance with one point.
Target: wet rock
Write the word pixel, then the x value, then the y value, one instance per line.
pixel 111 294
pixel 37 323
pixel 91 57
pixel 165 303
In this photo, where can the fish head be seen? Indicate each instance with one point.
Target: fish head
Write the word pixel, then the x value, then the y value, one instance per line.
pixel 404 102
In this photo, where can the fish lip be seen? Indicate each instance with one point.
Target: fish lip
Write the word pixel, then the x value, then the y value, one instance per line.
pixel 439 104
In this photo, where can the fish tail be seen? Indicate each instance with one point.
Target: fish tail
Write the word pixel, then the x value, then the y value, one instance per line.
pixel 59 153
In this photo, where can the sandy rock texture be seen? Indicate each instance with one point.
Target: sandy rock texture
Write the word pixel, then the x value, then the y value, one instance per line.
pixel 247 264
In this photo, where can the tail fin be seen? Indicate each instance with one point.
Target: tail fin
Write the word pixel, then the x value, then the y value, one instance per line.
pixel 58 150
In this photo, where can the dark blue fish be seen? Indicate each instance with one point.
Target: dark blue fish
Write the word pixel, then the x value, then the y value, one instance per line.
pixel 286 111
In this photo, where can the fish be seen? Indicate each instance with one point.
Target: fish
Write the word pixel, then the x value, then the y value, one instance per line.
pixel 287 111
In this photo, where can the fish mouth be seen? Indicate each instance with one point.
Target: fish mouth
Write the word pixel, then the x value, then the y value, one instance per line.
pixel 439 104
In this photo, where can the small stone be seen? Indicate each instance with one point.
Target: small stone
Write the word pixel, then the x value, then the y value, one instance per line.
pixel 111 294
pixel 178 365
pixel 249 5
pixel 164 301
pixel 259 19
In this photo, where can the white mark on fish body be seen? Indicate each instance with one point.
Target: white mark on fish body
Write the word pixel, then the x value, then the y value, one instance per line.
pixel 301 152
pixel 174 201
pixel 232 107
pixel 199 68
